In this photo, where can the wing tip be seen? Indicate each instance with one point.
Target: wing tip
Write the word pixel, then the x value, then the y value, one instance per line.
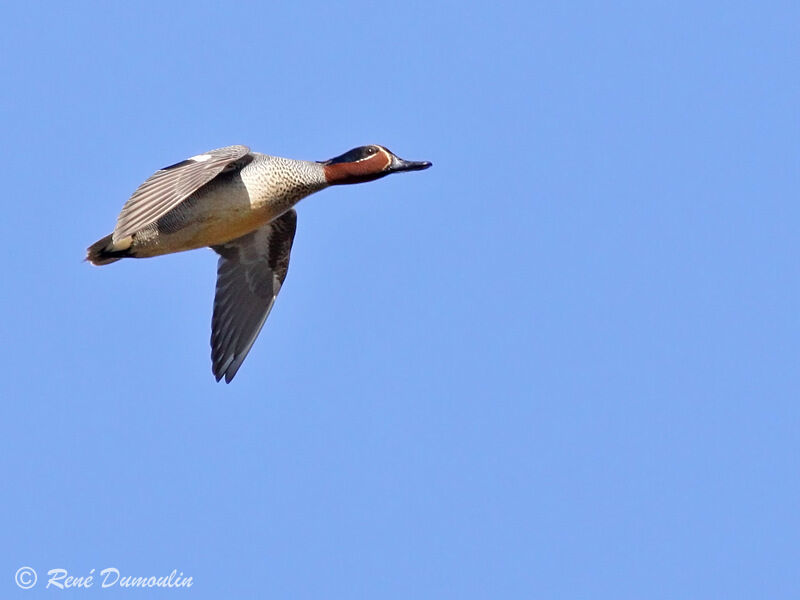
pixel 228 375
pixel 226 368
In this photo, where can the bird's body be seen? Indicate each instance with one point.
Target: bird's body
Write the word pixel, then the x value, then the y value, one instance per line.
pixel 239 203
pixel 231 205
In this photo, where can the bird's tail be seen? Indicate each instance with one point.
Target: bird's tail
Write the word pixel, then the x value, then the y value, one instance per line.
pixel 102 252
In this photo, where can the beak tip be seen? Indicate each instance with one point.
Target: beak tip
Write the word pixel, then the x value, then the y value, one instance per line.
pixel 413 165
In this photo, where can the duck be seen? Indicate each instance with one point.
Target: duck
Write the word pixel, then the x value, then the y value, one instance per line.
pixel 240 204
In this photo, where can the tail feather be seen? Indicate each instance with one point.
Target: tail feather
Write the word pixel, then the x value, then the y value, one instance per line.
pixel 102 252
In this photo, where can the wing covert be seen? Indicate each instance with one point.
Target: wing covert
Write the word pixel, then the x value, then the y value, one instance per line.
pixel 170 186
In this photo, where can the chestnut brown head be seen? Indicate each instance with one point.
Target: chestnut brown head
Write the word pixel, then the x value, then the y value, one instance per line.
pixel 367 163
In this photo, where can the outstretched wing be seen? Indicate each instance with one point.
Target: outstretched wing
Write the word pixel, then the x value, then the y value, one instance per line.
pixel 250 272
pixel 170 186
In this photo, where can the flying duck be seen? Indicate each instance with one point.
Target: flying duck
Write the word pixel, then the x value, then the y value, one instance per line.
pixel 240 203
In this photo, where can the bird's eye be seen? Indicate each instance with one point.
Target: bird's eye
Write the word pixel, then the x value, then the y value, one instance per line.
pixel 371 150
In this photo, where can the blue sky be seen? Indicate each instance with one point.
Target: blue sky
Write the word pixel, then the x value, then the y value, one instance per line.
pixel 562 363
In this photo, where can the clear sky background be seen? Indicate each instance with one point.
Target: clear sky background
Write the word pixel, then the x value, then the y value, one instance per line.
pixel 561 363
